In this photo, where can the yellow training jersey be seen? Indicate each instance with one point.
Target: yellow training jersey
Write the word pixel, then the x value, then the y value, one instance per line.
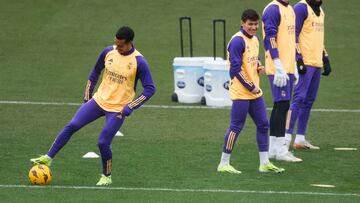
pixel 285 40
pixel 248 74
pixel 311 38
pixel 117 87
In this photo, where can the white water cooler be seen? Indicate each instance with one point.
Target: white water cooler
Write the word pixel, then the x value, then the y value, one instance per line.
pixel 216 83
pixel 189 78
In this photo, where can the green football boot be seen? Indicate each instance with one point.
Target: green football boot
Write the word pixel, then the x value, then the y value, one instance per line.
pixel 44 159
pixel 227 169
pixel 104 180
pixel 270 168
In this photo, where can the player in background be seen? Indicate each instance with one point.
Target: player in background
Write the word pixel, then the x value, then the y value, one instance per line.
pixel 122 66
pixel 245 93
pixel 311 58
pixel 279 42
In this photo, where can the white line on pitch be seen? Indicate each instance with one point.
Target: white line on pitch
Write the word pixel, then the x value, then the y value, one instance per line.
pixel 166 106
pixel 180 190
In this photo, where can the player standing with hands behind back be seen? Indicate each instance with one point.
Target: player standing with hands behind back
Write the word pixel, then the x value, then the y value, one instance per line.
pixel 279 42
pixel 311 57
pixel 245 93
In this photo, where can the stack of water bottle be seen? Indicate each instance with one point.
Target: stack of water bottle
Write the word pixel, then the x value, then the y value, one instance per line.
pixel 201 79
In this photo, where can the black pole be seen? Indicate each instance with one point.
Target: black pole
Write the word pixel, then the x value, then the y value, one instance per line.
pixel 181 36
pixel 222 21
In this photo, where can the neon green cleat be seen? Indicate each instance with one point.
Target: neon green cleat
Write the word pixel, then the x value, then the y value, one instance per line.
pixel 104 180
pixel 270 168
pixel 44 159
pixel 228 169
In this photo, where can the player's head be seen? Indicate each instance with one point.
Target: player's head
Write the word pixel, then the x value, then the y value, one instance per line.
pixel 123 39
pixel 314 2
pixel 250 21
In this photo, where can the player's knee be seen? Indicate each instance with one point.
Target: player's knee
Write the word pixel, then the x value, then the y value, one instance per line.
pixel 283 106
pixel 103 144
pixel 263 126
pixel 73 126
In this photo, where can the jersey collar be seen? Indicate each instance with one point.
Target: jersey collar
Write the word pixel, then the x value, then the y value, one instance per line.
pixel 129 52
pixel 245 33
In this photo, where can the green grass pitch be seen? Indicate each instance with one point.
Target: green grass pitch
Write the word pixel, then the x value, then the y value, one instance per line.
pixel 47 49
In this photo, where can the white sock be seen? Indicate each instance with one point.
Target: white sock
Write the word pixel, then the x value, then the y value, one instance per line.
pixel 288 138
pixel 47 156
pixel 299 139
pixel 281 146
pixel 264 158
pixel 272 146
pixel 272 142
pixel 225 159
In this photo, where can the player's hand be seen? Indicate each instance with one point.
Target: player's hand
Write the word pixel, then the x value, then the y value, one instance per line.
pixel 296 75
pixel 261 70
pixel 327 67
pixel 280 77
pixel 256 90
pixel 301 66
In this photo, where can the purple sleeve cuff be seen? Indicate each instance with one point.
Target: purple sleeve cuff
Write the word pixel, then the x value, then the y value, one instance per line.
pixel 143 73
pixel 236 49
pixel 271 20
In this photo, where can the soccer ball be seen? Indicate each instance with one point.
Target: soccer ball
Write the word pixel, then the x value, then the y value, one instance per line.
pixel 40 175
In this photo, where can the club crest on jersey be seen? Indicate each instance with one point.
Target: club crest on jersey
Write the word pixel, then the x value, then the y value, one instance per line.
pixel 110 61
pixel 129 65
pixel 283 93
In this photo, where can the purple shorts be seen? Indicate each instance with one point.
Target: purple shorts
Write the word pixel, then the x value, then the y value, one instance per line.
pixel 282 93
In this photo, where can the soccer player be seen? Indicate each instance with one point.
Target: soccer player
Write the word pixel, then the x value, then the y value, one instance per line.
pixel 245 93
pixel 311 57
pixel 279 42
pixel 122 65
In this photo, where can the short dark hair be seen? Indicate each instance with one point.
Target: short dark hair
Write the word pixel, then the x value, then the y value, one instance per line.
pixel 249 14
pixel 125 33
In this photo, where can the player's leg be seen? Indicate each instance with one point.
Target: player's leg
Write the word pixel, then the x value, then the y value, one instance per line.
pixel 281 98
pixel 304 113
pixel 239 111
pixel 300 92
pixel 112 125
pixel 257 111
pixel 87 113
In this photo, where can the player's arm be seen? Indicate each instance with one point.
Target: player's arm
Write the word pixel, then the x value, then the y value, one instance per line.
pixel 301 15
pixel 143 73
pixel 95 73
pixel 236 50
pixel 271 20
